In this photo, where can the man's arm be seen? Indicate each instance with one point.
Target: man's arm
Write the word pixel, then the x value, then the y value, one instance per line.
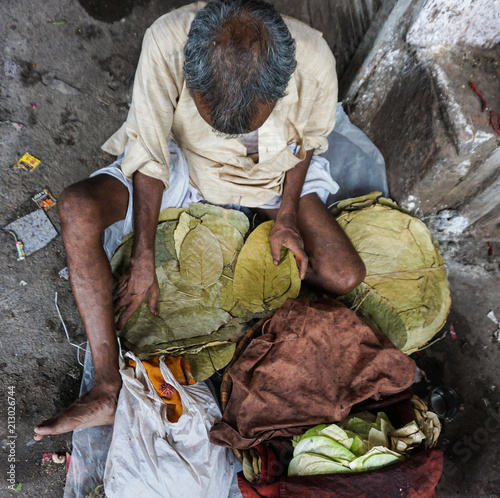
pixel 139 283
pixel 285 231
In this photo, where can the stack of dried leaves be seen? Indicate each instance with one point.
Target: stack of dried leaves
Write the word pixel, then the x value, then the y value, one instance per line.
pixel 405 293
pixel 211 284
pixel 427 421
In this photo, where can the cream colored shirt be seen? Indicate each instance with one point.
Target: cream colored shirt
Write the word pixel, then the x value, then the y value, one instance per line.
pixel 162 109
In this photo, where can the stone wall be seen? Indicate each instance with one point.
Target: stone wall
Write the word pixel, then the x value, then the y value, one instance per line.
pixel 473 23
pixel 343 23
pixel 412 96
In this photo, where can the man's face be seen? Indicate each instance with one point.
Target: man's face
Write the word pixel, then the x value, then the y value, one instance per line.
pixel 264 112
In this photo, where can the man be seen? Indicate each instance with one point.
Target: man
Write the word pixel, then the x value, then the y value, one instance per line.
pixel 248 99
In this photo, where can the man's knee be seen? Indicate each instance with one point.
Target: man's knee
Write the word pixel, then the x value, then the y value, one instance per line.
pixel 77 207
pixel 344 280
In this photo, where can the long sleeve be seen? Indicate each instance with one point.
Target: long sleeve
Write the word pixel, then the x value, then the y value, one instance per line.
pixel 321 121
pixel 149 123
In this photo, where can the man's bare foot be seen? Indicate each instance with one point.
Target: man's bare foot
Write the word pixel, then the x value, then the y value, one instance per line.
pixel 93 408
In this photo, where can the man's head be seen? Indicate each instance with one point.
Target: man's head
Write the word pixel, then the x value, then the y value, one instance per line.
pixel 238 61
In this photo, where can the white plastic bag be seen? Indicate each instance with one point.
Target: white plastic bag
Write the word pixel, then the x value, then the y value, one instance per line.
pixel 355 162
pixel 90 447
pixel 152 457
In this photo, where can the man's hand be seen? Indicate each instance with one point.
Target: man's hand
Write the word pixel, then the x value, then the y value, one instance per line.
pixel 286 233
pixel 139 284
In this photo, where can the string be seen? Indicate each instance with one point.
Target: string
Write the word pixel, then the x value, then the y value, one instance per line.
pixel 78 347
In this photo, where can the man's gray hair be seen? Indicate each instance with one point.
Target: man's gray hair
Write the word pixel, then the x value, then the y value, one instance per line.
pixel 239 55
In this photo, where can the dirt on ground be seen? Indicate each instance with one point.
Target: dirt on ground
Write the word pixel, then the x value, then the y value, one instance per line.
pixel 64 69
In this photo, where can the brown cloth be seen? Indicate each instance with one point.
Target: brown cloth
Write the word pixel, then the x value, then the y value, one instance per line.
pixel 310 366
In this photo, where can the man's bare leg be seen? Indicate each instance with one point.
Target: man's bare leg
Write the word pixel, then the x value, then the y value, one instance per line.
pixel 86 209
pixel 334 264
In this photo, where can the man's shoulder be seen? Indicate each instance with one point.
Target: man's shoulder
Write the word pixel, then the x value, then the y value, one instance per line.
pixel 170 30
pixel 313 54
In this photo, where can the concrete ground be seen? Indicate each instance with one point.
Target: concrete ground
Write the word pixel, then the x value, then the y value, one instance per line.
pixel 46 42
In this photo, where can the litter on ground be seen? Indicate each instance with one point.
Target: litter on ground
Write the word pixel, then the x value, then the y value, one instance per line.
pixel 34 231
pixel 28 162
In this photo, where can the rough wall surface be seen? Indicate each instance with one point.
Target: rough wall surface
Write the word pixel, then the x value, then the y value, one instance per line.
pixel 475 23
pixel 342 22
pixel 417 105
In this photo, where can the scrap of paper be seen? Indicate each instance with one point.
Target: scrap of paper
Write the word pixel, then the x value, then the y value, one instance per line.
pixel 34 231
pixel 28 162
pixel 44 199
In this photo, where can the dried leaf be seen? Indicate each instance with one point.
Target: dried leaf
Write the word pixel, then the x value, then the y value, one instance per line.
pixel 205 363
pixel 227 299
pixel 259 285
pixel 230 239
pixel 172 299
pixel 164 249
pixel 378 312
pixel 184 226
pixel 210 296
pixel 121 258
pixel 176 293
pixel 191 318
pixel 255 461
pixel 236 218
pixel 171 214
pixel 172 272
pixel 353 203
pixel 164 242
pixel 229 332
pixel 201 257
pixel 404 266
pixel 145 329
pixel 228 273
pixel 166 348
pixel 195 321
pixel 229 302
pixel 247 466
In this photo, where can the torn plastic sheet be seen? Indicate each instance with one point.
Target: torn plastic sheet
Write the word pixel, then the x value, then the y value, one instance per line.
pixel 90 447
pixel 355 162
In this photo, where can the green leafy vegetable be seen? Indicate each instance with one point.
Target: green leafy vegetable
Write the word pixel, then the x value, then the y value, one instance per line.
pixel 325 446
pixel 314 431
pixel 305 464
pixel 375 459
